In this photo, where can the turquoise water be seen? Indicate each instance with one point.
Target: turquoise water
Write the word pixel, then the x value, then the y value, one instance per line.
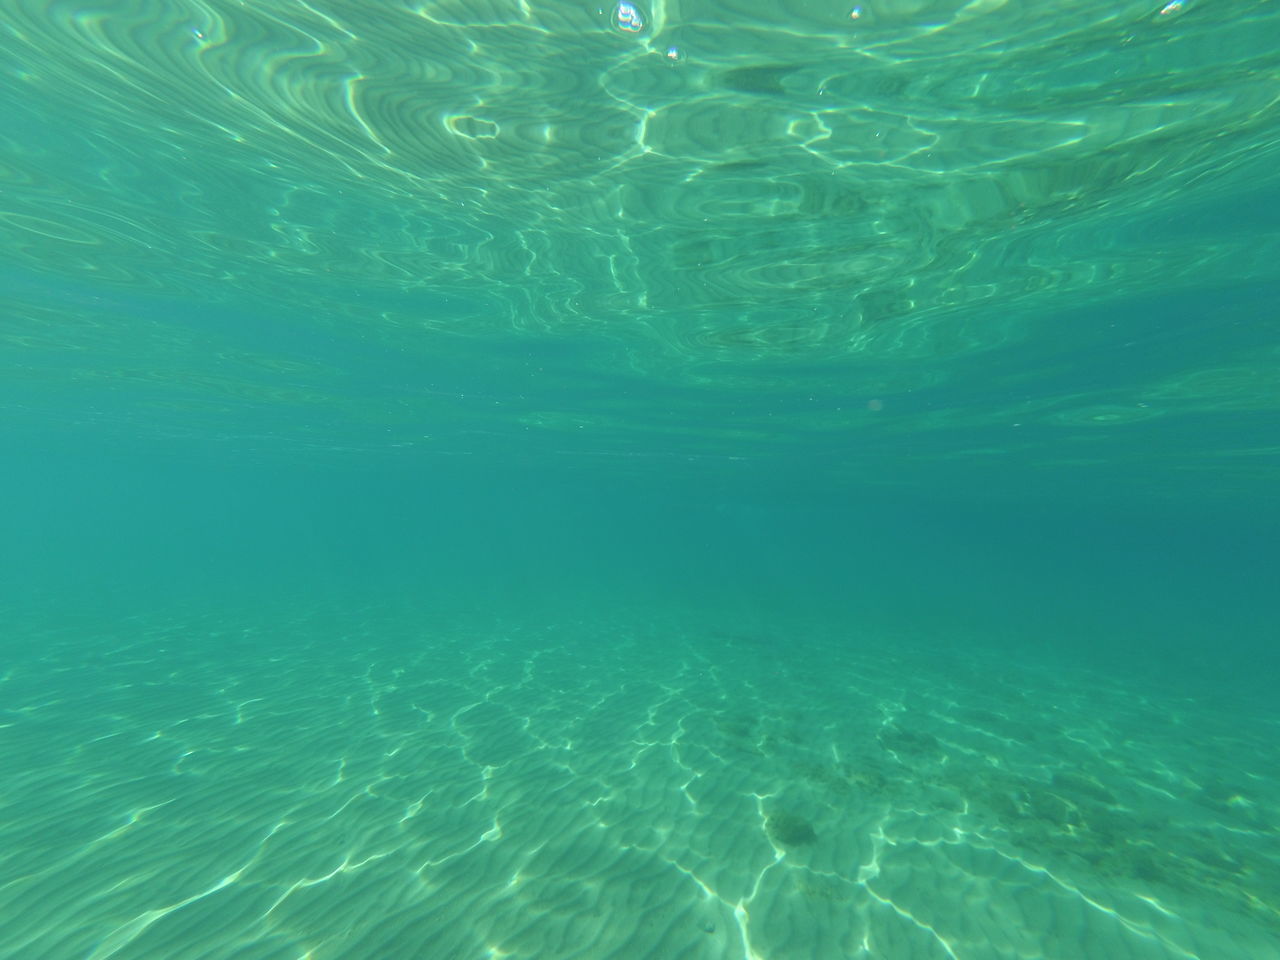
pixel 676 480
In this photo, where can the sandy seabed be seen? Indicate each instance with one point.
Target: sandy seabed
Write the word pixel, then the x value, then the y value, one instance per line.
pixel 212 788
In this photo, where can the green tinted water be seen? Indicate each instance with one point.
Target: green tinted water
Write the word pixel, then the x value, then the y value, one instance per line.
pixel 549 479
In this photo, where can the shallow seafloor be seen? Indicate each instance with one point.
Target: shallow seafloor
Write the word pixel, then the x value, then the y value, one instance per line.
pixel 377 785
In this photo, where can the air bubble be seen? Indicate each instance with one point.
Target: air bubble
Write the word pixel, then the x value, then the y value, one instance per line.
pixel 861 15
pixel 628 17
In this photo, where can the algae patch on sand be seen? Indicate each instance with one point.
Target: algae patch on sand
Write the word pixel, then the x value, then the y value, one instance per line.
pixel 789 830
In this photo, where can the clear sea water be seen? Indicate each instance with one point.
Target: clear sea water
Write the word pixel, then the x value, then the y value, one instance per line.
pixel 540 479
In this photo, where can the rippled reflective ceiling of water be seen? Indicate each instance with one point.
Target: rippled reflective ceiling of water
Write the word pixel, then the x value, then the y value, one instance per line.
pixel 731 178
